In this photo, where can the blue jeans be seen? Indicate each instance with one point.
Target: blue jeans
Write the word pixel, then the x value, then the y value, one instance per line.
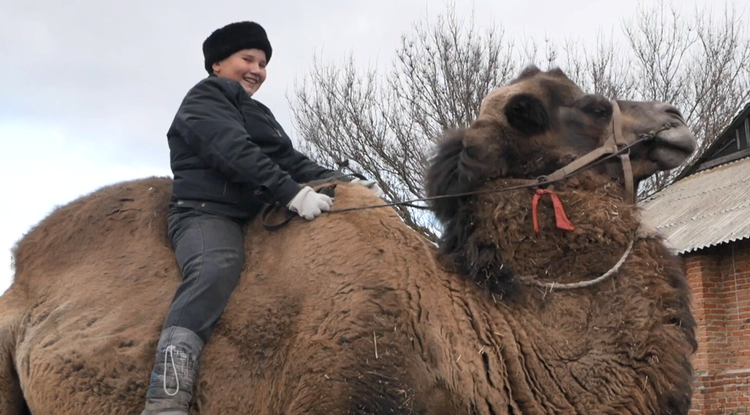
pixel 210 252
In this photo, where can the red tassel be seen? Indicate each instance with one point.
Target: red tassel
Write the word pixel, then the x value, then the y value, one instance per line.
pixel 560 217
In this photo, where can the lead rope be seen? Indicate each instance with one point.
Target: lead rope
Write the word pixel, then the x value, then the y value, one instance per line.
pixel 170 352
pixel 583 284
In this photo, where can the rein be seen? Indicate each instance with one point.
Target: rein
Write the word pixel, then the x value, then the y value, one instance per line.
pixel 614 146
pixel 540 182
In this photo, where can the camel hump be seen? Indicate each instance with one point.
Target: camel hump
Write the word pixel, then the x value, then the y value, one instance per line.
pixel 11 314
pixel 101 224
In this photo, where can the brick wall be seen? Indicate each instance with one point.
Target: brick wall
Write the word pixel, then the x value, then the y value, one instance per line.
pixel 719 278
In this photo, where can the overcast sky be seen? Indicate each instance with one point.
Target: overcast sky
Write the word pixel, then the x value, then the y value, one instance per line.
pixel 89 87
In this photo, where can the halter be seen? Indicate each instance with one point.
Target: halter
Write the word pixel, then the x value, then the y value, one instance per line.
pixel 613 145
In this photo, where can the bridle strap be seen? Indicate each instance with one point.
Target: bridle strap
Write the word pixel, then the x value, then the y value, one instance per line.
pixel 611 146
pixel 581 162
pixel 619 141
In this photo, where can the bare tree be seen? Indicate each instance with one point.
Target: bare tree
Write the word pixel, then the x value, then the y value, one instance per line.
pixel 701 65
pixel 604 71
pixel 384 125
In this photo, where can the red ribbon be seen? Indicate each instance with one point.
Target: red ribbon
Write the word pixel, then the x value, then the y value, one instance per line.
pixel 560 217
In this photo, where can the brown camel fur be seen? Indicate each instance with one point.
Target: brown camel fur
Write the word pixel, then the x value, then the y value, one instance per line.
pixel 354 313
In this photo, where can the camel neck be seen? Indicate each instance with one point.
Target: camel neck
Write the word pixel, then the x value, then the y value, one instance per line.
pixel 495 235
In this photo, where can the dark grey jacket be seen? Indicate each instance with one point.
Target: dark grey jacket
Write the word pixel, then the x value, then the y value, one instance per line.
pixel 230 156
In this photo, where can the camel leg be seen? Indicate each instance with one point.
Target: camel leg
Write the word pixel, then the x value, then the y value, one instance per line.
pixel 11 396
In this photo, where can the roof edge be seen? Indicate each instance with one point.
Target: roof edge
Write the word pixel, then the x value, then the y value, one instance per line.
pixel 695 249
pixel 695 165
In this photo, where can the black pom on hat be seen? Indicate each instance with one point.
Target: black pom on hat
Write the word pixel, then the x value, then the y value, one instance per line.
pixel 234 37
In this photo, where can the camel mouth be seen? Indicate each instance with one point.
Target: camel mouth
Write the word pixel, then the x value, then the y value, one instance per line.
pixel 672 147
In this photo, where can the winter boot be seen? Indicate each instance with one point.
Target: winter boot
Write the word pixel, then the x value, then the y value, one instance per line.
pixel 173 377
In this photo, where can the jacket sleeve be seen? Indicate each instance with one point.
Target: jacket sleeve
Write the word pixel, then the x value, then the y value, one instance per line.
pixel 303 170
pixel 213 127
pixel 299 166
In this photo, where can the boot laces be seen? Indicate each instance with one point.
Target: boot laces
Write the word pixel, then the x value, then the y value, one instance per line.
pixel 169 353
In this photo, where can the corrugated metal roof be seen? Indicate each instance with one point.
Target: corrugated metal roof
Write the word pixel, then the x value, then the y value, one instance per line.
pixel 703 210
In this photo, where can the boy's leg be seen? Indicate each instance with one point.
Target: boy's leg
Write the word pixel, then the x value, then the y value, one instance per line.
pixel 210 253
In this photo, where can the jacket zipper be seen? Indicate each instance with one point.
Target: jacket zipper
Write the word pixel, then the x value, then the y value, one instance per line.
pixel 278 133
pixel 270 121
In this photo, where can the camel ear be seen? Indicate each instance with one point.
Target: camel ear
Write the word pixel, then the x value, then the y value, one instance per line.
pixel 455 168
pixel 527 114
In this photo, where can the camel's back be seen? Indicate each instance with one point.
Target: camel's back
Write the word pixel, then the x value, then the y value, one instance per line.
pixel 321 311
pixel 95 275
pixel 119 227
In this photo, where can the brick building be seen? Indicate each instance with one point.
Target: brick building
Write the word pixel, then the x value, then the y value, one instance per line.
pixel 705 217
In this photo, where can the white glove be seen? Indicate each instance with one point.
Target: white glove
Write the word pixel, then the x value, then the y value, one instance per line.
pixel 309 204
pixel 370 184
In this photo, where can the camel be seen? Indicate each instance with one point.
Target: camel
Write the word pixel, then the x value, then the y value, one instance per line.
pixel 354 313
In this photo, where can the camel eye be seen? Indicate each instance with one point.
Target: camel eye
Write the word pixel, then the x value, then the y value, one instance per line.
pixel 598 110
pixel 473 152
pixel 527 114
pixel 595 106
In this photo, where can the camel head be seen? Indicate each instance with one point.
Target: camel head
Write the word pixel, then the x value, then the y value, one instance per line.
pixel 542 121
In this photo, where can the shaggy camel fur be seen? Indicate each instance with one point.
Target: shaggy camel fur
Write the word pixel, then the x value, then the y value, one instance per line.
pixel 354 313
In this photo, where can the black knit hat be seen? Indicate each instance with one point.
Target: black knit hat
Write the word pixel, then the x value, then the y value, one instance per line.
pixel 234 37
